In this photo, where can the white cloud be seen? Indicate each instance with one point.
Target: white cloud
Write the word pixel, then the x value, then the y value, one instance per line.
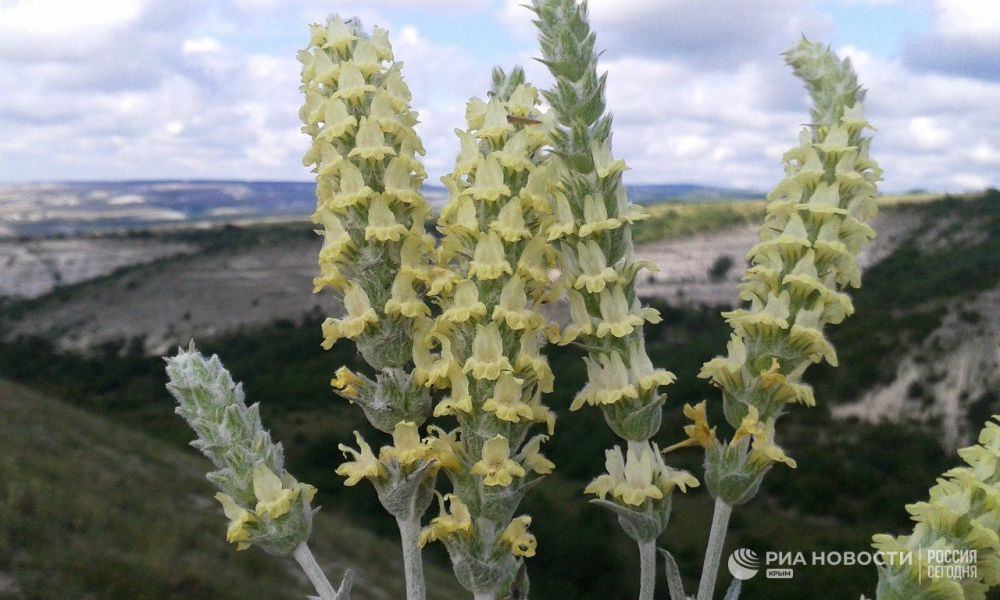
pixel 978 18
pixel 53 17
pixel 206 89
pixel 965 40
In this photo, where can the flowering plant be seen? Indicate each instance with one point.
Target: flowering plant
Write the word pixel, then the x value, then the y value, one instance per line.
pixel 451 320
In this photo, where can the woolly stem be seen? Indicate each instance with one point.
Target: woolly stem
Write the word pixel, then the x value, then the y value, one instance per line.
pixel 647 564
pixel 413 567
pixel 713 552
pixel 304 556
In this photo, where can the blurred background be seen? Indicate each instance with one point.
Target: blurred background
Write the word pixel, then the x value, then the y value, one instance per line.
pixel 151 192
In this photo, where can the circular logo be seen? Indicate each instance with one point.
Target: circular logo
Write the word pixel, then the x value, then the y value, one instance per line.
pixel 743 563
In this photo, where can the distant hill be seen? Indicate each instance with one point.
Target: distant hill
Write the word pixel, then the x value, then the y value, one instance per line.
pixel 45 209
pixel 687 192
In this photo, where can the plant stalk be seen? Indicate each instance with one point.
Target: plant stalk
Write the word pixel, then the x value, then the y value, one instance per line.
pixel 304 556
pixel 647 565
pixel 713 552
pixel 413 566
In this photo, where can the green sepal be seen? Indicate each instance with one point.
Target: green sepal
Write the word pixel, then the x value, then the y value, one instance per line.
pixel 394 398
pixel 645 524
pixel 729 476
pixel 637 423
pixel 406 495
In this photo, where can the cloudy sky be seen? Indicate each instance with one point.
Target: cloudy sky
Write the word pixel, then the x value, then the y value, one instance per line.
pixel 138 89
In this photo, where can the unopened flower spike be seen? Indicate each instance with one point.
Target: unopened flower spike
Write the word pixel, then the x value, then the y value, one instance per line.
pixel 264 504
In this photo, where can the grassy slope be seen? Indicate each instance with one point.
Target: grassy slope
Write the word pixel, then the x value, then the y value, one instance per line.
pixel 91 509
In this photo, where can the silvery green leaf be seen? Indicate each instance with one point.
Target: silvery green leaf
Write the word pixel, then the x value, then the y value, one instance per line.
pixel 675 585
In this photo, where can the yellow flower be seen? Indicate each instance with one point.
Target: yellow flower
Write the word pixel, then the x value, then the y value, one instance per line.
pixel 595 217
pixel 468 155
pixel 533 265
pixel 762 320
pixel 399 92
pixel 699 433
pixel 726 372
pixel 513 307
pixel 595 270
pixel 506 403
pixel 353 190
pixel 423 360
pixel 383 111
pixel 529 359
pixel 580 321
pixel 514 155
pixel 444 448
pixel 380 42
pixel 442 281
pixel 338 35
pixel 400 184
pixel 615 315
pixel 413 259
pixel 466 304
pixel 604 164
pixel 462 220
pixel 455 520
pixel 488 260
pixel 488 185
pixel 330 160
pixel 330 277
pixel 669 478
pixel 351 84
pixel 564 223
pixel 404 300
pixel 523 100
pixel 324 70
pixel 607 382
pixel 370 142
pixel 487 360
pixel 364 464
pixel 749 426
pixel 336 240
pixel 517 537
pixel 629 480
pixel 382 224
pixel 496 466
pixel 534 460
pixel 337 122
pixel 406 447
pixel 495 124
pixel 347 383
pixel 475 113
pixel 638 475
pixel 535 194
pixel 459 400
pixel 764 452
pixel 641 369
pixel 239 518
pixel 510 222
pixel 359 315
pixel 365 58
pixel 542 413
pixel 273 499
